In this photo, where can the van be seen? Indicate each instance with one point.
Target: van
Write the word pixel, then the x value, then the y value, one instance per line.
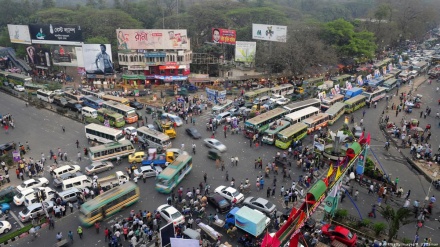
pixel 31 199
pixel 7 194
pixel 80 182
pixel 189 233
pixel 262 100
pixel 172 118
pixel 70 195
pixel 89 112
pixel 65 169
pixel 20 197
pixel 223 117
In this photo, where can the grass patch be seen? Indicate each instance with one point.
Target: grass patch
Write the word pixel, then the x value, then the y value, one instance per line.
pixel 16 233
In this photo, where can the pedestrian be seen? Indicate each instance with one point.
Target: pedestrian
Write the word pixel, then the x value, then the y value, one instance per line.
pixel 97 226
pixel 236 160
pixel 80 231
pixel 373 211
pixel 51 223
pixel 416 239
pixel 356 194
pixel 205 177
pixel 227 176
pixel 71 207
pixel 77 144
pixel 70 235
pixel 59 236
pixel 363 113
pixel 79 156
pixel 64 130
pixel 407 194
pixel 55 159
pixel 65 156
pixel 268 192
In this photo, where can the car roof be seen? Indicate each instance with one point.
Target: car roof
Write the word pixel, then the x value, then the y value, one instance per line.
pixel 170 209
pixel 217 197
pixel 230 189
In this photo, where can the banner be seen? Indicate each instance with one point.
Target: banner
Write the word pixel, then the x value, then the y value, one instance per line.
pixel 38 56
pixel 150 39
pixel 55 34
pixel 360 166
pixel 215 96
pixel 245 51
pixel 269 32
pixel 64 55
pixel 98 59
pixel 19 34
pixel 224 36
pixel 331 202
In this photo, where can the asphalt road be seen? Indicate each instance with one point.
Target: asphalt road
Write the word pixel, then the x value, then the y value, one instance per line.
pixel 42 129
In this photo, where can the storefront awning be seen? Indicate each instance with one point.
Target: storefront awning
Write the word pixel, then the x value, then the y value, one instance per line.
pixel 134 77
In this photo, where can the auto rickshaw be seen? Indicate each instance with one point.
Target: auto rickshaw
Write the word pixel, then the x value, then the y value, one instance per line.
pixel 214 154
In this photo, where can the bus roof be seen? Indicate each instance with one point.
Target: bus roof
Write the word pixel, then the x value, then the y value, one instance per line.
pixel 93 98
pixel 110 145
pixel 333 98
pixel 260 90
pixel 181 159
pixel 152 132
pixel 335 108
pixel 389 81
pixel 263 117
pixel 341 77
pixel 172 168
pixel 111 97
pixel 301 112
pixel 355 99
pixel 103 199
pixel 109 112
pixel 314 118
pixel 301 104
pixel 377 89
pixel 278 128
pixel 20 76
pixel 292 129
pixel 103 128
pixel 118 105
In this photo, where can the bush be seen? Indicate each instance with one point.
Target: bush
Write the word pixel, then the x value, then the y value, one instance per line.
pixel 61 110
pixel 16 233
pixel 341 213
pixel 364 223
pixel 378 228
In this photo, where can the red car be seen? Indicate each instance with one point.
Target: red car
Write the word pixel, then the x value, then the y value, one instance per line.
pixel 340 234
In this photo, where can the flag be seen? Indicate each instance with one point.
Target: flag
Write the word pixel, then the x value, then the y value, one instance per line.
pixel 330 171
pixel 368 138
pixel 331 201
pixel 338 173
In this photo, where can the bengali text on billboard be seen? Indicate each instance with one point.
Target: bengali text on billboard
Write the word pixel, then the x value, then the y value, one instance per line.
pixel 98 59
pixel 56 34
pixel 245 51
pixel 19 34
pixel 164 39
pixel 64 55
pixel 269 32
pixel 223 36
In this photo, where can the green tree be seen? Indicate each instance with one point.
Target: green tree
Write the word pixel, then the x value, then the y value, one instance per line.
pixel 55 15
pixel 47 4
pixel 97 40
pixel 396 219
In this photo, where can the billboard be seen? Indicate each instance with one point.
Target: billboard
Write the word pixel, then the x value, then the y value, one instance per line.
pixel 223 36
pixel 140 39
pixel 269 32
pixel 98 59
pixel 64 55
pixel 55 34
pixel 245 51
pixel 19 34
pixel 38 56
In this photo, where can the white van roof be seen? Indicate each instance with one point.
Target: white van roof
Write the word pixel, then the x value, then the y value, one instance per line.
pixel 88 109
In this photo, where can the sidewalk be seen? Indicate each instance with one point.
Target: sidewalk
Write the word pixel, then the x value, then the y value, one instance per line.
pixel 418 87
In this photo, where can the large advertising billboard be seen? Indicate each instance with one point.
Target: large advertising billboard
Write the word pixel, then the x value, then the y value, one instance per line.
pixel 223 36
pixel 269 32
pixel 63 55
pixel 164 39
pixel 19 34
pixel 245 51
pixel 55 34
pixel 98 59
pixel 38 56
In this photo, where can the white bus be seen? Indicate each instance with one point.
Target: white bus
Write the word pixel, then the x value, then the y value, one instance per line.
pixel 94 94
pixel 302 114
pixel 153 138
pixel 293 107
pixel 283 89
pixel 45 95
pixel 378 94
pixel 102 134
pixel 111 151
pixel 226 106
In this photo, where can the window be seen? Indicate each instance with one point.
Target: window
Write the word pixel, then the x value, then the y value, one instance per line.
pixel 162 72
pixel 77 184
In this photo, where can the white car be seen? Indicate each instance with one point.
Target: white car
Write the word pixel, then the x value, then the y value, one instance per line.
pixel 214 143
pixel 130 130
pixel 19 88
pixel 33 183
pixel 229 193
pixel 20 197
pixel 59 92
pixel 282 101
pixel 149 170
pixel 171 214
pixel 5 227
pixel 275 97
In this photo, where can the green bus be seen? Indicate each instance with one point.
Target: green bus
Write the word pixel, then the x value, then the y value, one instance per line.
pixel 340 80
pixel 111 151
pixel 335 112
pixel 293 133
pixel 169 178
pixel 270 135
pixel 249 97
pixel 355 103
pixel 19 79
pixel 260 123
pixel 108 203
pixel 115 119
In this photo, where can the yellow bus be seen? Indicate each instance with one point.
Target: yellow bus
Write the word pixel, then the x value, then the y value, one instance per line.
pixel 329 101
pixel 316 122
pixel 121 100
pixel 108 203
pixel 335 112
pixel 249 97
pixel 293 133
pixel 355 103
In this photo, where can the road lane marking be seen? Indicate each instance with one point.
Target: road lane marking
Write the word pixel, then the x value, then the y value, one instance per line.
pixel 16 219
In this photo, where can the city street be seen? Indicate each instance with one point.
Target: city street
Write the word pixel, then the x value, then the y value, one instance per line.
pixel 42 128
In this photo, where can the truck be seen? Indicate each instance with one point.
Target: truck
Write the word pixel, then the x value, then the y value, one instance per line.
pixel 114 179
pixel 249 220
pixel 352 92
pixel 155 159
pixel 166 127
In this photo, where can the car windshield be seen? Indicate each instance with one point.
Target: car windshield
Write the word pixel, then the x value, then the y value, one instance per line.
pixel 176 215
pixel 23 185
pixel 25 211
pixel 269 205
pixel 235 193
pixel 222 203
pixel 216 143
pixel 90 168
pixel 349 235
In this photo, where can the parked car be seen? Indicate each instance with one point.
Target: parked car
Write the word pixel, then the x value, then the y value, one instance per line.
pixel 19 88
pixel 192 131
pixel 35 210
pixel 282 101
pixel 220 204
pixel 6 147
pixel 5 227
pixel 340 234
pixel 171 214
pixel 130 130
pixel 150 171
pixel 357 131
pixel 215 144
pixel 136 105
pixel 260 204
pixel 5 207
pixel 229 193
pixel 98 167
pixel 33 183
pixel 59 92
